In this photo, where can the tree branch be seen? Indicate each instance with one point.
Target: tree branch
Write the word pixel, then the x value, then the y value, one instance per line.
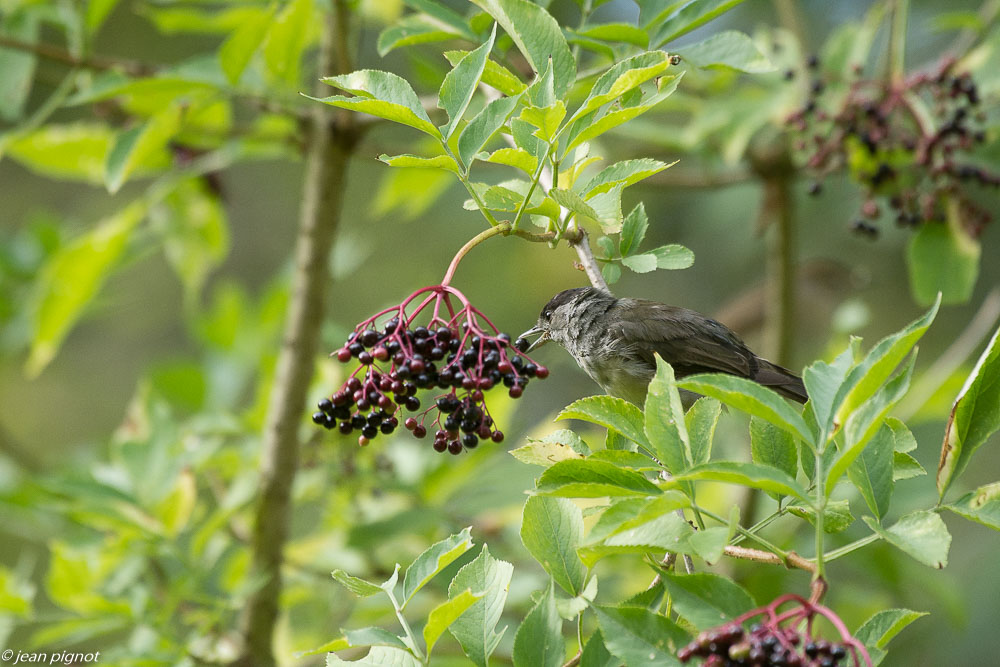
pixel 330 147
pixel 793 560
pixel 58 55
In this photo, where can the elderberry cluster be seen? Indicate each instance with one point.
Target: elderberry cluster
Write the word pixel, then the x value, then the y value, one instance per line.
pixel 762 646
pixel 780 638
pixel 455 351
pixel 907 143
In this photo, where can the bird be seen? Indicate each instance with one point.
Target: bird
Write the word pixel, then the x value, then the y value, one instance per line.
pixel 615 340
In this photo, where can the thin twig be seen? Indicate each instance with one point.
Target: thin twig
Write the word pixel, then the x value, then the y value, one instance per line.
pixel 100 63
pixel 792 560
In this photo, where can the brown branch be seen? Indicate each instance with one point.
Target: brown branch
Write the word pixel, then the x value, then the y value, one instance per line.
pixel 55 54
pixel 793 560
pixel 330 147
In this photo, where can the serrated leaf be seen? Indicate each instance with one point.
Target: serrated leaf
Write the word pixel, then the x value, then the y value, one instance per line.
pixel 381 94
pixel 664 423
pixel 884 625
pixel 625 459
pixel 434 559
pixel 706 600
pixel 750 397
pixel 689 16
pixel 460 84
pixel 551 530
pixel 621 78
pixel 905 466
pixel 624 173
pixel 71 278
pixel 539 642
pixel 442 616
pixel 822 382
pixel 975 416
pixel 611 272
pixel 538 36
pixel 836 517
pixel 640 637
pixel 772 446
pixel 593 479
pixel 633 230
pixel 981 505
pixel 761 477
pixel 872 472
pixel 574 202
pixel 514 157
pixel 616 32
pixel 495 75
pixel 410 30
pixel 358 586
pixel 643 263
pixel 672 257
pixel 628 513
pixel 729 49
pixel 483 126
pixel 475 630
pixel 378 656
pixel 415 161
pixel 610 412
pixel 701 419
pixel 663 532
pixel 921 534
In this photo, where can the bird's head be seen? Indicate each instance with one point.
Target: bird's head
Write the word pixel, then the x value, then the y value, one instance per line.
pixel 559 314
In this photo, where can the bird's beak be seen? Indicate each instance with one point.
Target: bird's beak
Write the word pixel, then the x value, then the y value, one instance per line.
pixel 534 331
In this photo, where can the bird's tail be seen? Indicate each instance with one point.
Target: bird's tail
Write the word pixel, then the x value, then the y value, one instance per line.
pixel 782 380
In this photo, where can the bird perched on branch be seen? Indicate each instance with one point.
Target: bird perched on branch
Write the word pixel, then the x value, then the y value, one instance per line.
pixel 614 341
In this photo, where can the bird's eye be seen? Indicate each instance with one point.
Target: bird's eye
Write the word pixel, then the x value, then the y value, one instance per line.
pixel 547 314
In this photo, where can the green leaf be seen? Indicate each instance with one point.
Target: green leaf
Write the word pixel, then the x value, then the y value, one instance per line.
pixel 640 637
pixel 434 559
pixel 514 157
pixel 872 472
pixel 865 422
pixel 475 629
pixel 665 532
pixel 415 161
pixel 611 272
pixel 864 379
pixel 921 534
pixel 665 425
pixel 239 47
pixel 547 452
pixel 761 477
pixel 643 263
pixel 17 68
pixel 879 630
pixel 593 479
pixel 460 84
pixel 381 94
pixel 706 600
pixel 359 587
pixel 710 543
pixel 621 78
pixel 195 233
pixel 539 642
pixel 287 37
pixel 442 616
pixel 546 119
pixel 905 466
pixel 538 36
pixel 483 126
pixel 975 416
pixel 628 513
pixel 690 16
pixel 633 230
pixel 595 653
pixel 360 638
pixel 942 257
pixel 823 380
pixel 616 32
pixel 495 75
pixel 625 459
pixel 701 419
pixel 72 277
pixel 981 505
pixel 729 49
pixel 586 128
pixel 610 412
pixel 74 151
pixel 410 30
pixel 608 206
pixel 672 257
pixel 378 656
pixel 551 530
pixel 139 145
pixel 836 517
pixel 624 173
pixel 772 446
pixel 750 397
pixel 444 14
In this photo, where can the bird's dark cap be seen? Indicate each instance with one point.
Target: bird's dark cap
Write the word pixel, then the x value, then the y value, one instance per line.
pixel 566 296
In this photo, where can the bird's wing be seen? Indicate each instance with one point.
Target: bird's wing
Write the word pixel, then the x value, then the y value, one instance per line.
pixel 688 341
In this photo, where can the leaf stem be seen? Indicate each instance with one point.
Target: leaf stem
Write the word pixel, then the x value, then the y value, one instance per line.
pixel 406 627
pixel 746 533
pixel 853 546
pixel 897 42
pixel 531 190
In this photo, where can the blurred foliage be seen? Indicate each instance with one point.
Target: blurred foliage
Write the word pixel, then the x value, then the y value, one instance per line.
pixel 147 140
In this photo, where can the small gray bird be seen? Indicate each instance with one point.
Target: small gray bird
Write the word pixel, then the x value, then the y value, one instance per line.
pixel 614 341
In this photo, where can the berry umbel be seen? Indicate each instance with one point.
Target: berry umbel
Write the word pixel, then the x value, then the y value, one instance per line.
pixel 909 143
pixel 778 639
pixel 427 342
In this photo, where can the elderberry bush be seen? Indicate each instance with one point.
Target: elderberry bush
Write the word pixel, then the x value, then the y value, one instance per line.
pixel 427 343
pixel 779 639
pixel 909 143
